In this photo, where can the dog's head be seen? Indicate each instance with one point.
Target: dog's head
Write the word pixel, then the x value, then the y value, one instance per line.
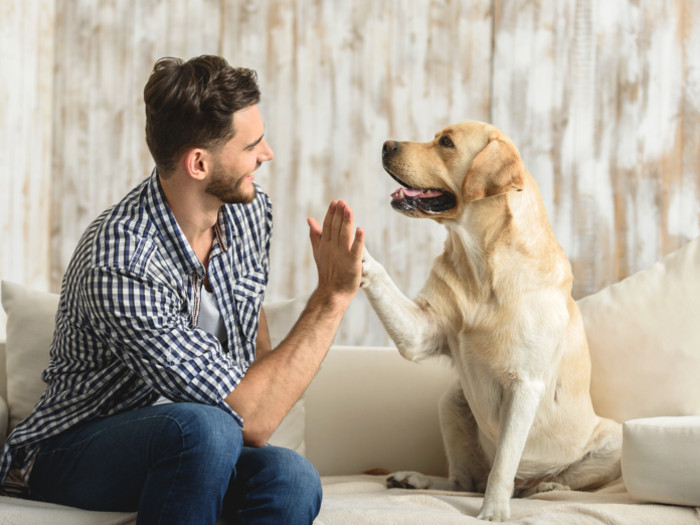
pixel 463 163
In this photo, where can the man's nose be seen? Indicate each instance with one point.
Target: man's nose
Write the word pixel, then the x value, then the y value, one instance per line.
pixel 267 153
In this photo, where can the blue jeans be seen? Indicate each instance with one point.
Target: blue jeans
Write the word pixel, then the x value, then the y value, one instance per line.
pixel 179 463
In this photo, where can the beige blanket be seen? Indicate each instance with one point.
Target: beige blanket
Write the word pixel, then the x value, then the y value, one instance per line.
pixel 364 500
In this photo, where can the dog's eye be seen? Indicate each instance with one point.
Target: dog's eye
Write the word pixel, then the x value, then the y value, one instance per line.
pixel 446 141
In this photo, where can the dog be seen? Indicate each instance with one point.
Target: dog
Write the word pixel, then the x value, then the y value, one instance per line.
pixel 519 418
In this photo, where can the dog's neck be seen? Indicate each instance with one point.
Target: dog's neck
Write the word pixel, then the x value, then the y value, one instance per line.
pixel 487 226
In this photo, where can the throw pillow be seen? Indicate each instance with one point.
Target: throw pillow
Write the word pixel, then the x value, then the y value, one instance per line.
pixel 644 339
pixel 660 458
pixel 30 323
pixel 281 316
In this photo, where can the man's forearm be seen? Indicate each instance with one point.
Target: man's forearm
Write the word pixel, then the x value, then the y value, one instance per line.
pixel 274 383
pixel 277 380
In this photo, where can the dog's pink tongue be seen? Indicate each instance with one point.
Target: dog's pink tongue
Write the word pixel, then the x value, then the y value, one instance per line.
pixel 412 192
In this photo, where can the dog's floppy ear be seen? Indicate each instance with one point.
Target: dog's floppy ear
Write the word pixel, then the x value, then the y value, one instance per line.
pixel 496 169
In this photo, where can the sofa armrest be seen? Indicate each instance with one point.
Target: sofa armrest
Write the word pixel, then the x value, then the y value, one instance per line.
pixel 370 408
pixel 4 408
pixel 4 418
pixel 3 369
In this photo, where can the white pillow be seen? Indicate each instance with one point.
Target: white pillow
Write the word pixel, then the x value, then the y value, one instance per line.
pixel 281 316
pixel 30 323
pixel 660 459
pixel 644 338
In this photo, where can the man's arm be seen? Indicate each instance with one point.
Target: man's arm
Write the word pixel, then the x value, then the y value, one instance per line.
pixel 276 380
pixel 263 345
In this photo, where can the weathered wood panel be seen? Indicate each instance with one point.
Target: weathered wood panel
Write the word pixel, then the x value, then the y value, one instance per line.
pixel 602 98
pixel 26 64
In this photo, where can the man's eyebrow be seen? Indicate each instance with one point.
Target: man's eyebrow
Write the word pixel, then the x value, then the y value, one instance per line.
pixel 255 143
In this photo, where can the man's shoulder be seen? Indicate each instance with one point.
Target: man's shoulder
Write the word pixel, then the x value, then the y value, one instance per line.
pixel 124 232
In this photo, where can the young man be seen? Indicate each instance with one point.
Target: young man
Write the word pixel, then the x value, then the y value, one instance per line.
pixel 162 387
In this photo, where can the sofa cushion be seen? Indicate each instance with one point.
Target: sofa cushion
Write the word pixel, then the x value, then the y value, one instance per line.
pixel 644 340
pixel 660 459
pixel 30 324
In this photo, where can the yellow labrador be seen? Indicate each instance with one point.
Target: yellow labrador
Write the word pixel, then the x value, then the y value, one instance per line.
pixel 519 419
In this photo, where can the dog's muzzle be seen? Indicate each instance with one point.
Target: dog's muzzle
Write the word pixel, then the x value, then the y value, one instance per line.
pixel 409 199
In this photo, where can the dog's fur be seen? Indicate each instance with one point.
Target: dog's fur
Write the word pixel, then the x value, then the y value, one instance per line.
pixel 519 419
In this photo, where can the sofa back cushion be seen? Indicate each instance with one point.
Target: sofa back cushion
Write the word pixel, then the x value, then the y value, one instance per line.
pixel 371 408
pixel 644 338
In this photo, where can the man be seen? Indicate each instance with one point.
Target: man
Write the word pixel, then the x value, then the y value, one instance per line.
pixel 162 387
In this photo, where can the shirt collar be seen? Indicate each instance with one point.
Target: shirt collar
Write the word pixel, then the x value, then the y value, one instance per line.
pixel 169 229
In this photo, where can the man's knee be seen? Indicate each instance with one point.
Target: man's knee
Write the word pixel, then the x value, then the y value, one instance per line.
pixel 296 470
pixel 297 483
pixel 203 434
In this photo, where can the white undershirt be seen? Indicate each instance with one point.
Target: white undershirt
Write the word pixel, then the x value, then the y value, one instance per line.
pixel 209 320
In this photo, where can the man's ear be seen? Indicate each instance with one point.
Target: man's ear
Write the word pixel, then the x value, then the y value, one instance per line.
pixel 196 162
pixel 496 169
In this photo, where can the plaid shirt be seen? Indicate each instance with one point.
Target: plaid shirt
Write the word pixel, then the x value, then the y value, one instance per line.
pixel 126 327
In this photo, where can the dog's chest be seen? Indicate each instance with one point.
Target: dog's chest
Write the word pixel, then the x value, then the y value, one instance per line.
pixel 486 369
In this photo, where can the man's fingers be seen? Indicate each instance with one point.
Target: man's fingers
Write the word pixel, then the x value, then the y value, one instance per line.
pixel 341 209
pixel 328 221
pixel 345 226
pixel 338 229
pixel 314 232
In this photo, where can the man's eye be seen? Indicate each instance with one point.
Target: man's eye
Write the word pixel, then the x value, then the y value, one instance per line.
pixel 446 141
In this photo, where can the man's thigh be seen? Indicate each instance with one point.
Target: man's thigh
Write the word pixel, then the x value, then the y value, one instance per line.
pixel 104 464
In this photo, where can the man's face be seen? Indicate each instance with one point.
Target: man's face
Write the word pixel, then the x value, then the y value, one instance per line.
pixel 231 180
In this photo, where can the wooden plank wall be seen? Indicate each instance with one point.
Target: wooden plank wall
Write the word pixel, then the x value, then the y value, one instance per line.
pixel 602 98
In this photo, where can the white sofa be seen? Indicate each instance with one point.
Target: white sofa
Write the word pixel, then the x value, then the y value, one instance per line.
pixel 368 408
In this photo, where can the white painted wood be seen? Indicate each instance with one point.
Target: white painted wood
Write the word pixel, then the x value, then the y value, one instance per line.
pixel 26 81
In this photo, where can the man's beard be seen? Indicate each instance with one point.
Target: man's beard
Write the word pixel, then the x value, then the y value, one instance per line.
pixel 223 187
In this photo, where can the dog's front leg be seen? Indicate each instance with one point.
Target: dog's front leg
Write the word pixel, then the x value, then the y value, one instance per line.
pixel 409 326
pixel 521 398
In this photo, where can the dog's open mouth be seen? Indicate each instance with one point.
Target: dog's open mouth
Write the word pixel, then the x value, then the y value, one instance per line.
pixel 430 200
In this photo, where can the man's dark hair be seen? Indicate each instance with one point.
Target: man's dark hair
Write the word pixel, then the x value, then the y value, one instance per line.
pixel 191 104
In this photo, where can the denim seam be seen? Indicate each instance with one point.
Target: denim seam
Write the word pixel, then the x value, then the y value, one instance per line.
pixel 177 470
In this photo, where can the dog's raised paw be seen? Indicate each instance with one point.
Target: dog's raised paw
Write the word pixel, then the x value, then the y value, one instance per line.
pixel 368 269
pixel 407 480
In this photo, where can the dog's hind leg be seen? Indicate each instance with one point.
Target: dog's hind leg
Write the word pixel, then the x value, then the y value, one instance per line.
pixel 468 466
pixel 601 464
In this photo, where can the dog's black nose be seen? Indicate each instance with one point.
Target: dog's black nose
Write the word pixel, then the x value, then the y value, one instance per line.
pixel 390 146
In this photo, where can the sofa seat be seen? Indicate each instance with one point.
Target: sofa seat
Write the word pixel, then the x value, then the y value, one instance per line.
pixel 351 500
pixel 364 500
pixel 15 511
